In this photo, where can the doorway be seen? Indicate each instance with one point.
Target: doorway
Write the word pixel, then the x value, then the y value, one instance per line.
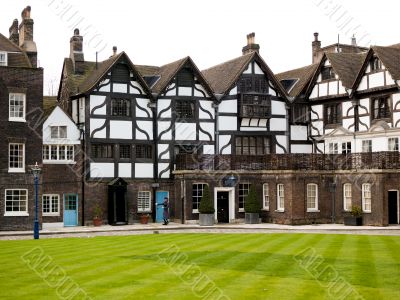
pixel 160 195
pixel 117 205
pixel 70 210
pixel 393 207
pixel 223 207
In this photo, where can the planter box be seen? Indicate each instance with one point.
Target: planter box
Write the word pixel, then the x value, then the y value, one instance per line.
pixel 252 218
pixel 206 219
pixel 353 221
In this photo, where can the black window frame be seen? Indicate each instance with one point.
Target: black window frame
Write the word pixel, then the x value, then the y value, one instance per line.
pixel 255 106
pixel 379 112
pixel 375 64
pixel 125 151
pixel 335 118
pixel 121 107
pixel 252 145
pixel 104 151
pixel 143 151
pixel 185 109
pixel 327 73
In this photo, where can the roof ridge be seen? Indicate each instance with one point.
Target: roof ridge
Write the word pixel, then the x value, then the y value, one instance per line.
pixel 228 61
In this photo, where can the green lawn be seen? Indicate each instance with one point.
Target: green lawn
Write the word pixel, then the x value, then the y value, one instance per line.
pixel 202 266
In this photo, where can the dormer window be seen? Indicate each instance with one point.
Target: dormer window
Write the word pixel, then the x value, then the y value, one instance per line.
pixel 375 64
pixel 327 73
pixel 58 132
pixel 3 59
pixel 253 84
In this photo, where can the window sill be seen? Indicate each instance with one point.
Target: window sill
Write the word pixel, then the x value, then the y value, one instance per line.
pixel 17 120
pixel 241 210
pixel 16 214
pixel 50 214
pixel 313 210
pixel 144 212
pixel 59 162
pixel 265 209
pixel 195 211
pixel 16 170
pixel 280 210
pixel 366 211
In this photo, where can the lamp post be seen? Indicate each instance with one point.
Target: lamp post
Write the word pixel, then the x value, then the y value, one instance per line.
pixel 36 171
pixel 332 188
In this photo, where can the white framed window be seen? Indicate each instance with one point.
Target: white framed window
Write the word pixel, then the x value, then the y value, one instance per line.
pixel 58 153
pixel 244 189
pixel 333 148
pixel 393 144
pixel 51 205
pixel 312 197
pixel 266 196
pixel 144 201
pixel 16 202
pixel 346 148
pixel 17 107
pixel 197 193
pixel 3 59
pixel 366 197
pixel 16 157
pixel 347 196
pixel 280 197
pixel 58 132
pixel 366 146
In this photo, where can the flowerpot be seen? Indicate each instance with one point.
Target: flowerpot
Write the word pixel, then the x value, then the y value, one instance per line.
pixel 206 219
pixel 97 222
pixel 252 218
pixel 144 219
pixel 352 221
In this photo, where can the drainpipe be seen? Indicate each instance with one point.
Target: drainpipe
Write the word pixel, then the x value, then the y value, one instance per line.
pixel 81 127
pixel 153 106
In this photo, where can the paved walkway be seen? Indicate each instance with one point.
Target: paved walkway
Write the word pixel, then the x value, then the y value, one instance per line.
pixel 106 230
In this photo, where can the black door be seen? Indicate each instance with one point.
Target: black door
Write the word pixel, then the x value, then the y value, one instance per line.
pixel 120 207
pixel 223 207
pixel 393 209
pixel 117 204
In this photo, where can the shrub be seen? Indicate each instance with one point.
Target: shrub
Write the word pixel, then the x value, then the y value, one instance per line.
pixel 251 202
pixel 356 211
pixel 206 204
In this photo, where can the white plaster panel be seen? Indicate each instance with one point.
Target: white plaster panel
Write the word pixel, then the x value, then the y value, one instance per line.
pixel 346 105
pixel 162 126
pixel 327 63
pixel 144 170
pixel 142 103
pixel 207 106
pixel 245 122
pixel 298 133
pixel 100 170
pixel 317 128
pixel 253 122
pixel 277 124
pixel 227 123
pixel 368 69
pixel 81 108
pixel 323 89
pixel 161 149
pixel 96 100
pixel 207 127
pixel 163 104
pixel 257 69
pixel 95 124
pixel 328 131
pixel 333 87
pixel 137 86
pixel 228 106
pixel 321 147
pixel 184 91
pixel 248 70
pixel 185 131
pixel 363 84
pixel 301 149
pixel 389 79
pixel 59 118
pixel 342 89
pixel 365 120
pixel 278 108
pixel 233 91
pixel 263 123
pixel 120 88
pixel 171 92
pixel 242 128
pixel 223 141
pixel 125 170
pixel 74 105
pixel 396 117
pixel 318 109
pixel 365 103
pixel 208 149
pixel 314 92
pixel 121 130
pixel 272 90
pixel 201 88
pixel 106 88
pixel 146 126
pixel 162 167
pixel 396 98
pixel 282 140
pixel 347 123
pixel 319 78
pixel 376 79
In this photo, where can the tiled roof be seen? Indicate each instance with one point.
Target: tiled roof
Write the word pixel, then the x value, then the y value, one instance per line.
pixel 167 73
pixel 147 70
pixel 390 57
pixel 16 56
pixel 347 66
pixel 303 75
pixel 49 103
pixel 221 77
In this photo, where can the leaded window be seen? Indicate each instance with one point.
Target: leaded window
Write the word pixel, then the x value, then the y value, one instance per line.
pixel 144 151
pixel 327 73
pixel 255 106
pixel 252 145
pixel 333 113
pixel 102 151
pixel 380 108
pixel 185 109
pixel 121 107
pixel 124 151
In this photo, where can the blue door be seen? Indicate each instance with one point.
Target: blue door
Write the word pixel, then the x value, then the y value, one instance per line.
pixel 160 195
pixel 70 210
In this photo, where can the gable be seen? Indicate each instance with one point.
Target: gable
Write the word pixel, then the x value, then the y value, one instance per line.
pixel 59 118
pixel 375 75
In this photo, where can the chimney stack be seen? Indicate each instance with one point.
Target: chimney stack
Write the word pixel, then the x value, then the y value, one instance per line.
pixel 26 35
pixel 76 52
pixel 14 35
pixel 316 49
pixel 114 50
pixel 353 41
pixel 251 45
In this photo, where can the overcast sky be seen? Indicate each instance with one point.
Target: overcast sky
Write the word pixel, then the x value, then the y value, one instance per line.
pixel 157 32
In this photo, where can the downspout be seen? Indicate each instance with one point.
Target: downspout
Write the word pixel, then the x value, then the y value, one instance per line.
pixel 155 185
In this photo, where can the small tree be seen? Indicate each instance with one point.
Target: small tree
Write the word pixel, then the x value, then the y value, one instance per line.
pixel 251 203
pixel 206 205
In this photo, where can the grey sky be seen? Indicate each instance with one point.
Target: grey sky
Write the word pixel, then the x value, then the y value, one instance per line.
pixel 157 32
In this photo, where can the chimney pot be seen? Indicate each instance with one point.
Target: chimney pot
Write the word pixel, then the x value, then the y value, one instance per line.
pixel 251 45
pixel 76 31
pixel 353 41
pixel 76 51
pixel 25 32
pixel 316 36
pixel 114 50
pixel 316 49
pixel 14 34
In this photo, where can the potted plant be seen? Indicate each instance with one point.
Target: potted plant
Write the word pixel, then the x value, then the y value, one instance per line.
pixel 252 207
pixel 206 209
pixel 97 215
pixel 355 218
pixel 144 218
